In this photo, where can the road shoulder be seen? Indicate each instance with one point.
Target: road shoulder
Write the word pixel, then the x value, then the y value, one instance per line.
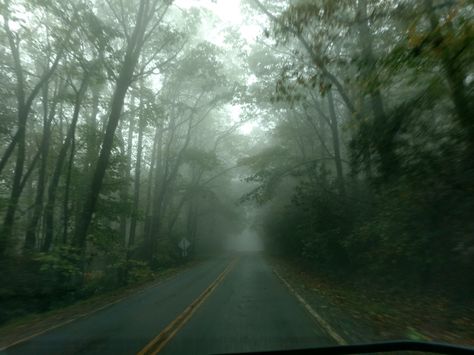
pixel 345 326
pixel 33 325
pixel 361 315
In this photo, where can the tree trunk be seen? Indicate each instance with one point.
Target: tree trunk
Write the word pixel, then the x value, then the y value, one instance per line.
pixel 161 193
pixel 17 177
pixel 136 187
pixel 53 185
pixel 382 136
pixel 68 191
pixel 192 225
pixel 24 104
pixel 155 165
pixel 30 238
pixel 125 191
pixel 8 152
pixel 455 76
pixel 92 130
pixel 336 144
pixel 123 82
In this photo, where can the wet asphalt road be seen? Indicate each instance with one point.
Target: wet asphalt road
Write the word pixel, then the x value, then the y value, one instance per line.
pixel 249 310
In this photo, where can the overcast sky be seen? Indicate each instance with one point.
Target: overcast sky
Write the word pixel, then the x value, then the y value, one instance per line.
pixel 228 14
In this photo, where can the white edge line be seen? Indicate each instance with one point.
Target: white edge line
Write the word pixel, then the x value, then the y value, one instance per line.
pixel 325 325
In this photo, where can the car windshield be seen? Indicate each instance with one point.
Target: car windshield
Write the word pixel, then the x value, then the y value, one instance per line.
pixel 228 176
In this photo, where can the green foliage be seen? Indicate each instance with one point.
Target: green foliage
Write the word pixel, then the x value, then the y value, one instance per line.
pixel 403 219
pixel 272 166
pixel 61 265
pixel 138 271
pixel 168 253
pixel 198 157
pixel 42 281
pixel 163 89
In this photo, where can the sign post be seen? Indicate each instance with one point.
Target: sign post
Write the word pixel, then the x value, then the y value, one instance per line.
pixel 184 245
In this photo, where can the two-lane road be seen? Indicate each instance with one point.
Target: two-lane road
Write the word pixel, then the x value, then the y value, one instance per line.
pixel 228 304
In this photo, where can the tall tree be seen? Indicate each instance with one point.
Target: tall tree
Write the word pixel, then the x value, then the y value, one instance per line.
pixel 24 104
pixel 61 159
pixel 148 18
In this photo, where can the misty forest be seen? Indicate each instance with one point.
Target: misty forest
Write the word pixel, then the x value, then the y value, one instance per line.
pixel 339 134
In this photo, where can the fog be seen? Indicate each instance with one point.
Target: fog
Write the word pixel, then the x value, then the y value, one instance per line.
pixel 247 241
pixel 142 137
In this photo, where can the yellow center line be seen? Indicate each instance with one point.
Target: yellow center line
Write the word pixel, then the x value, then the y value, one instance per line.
pixel 159 342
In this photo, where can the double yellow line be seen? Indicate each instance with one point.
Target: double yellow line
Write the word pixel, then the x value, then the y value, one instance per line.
pixel 159 342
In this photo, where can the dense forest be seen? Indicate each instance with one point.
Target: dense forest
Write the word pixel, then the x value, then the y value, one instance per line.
pixel 348 126
pixel 115 145
pixel 367 171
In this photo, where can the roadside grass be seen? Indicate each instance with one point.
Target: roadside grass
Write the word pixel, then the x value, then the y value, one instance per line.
pixel 28 325
pixel 389 314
